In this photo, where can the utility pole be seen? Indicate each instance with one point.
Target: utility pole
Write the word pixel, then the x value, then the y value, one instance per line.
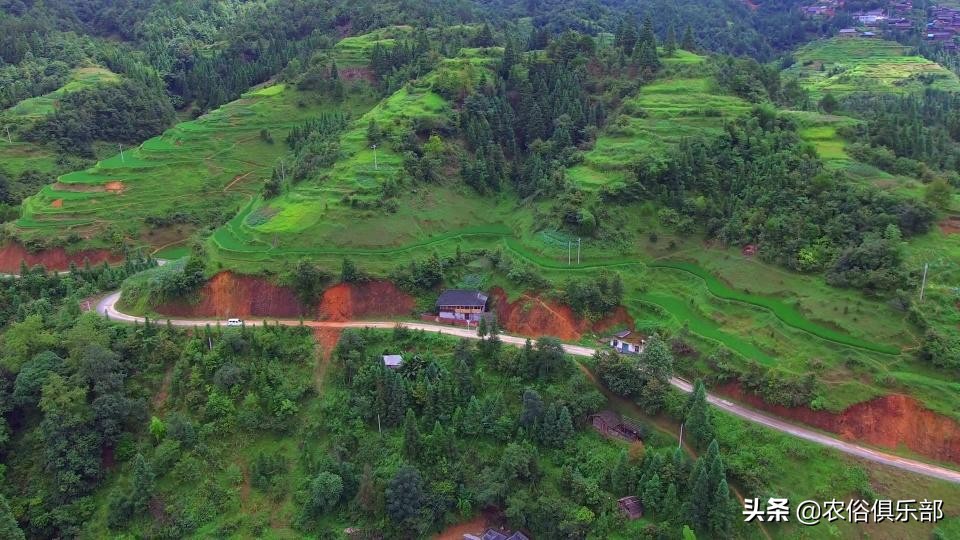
pixel 680 444
pixel 578 251
pixel 378 425
pixel 121 155
pixel 923 283
pixel 375 167
pixel 569 243
pixel 9 140
pixel 283 176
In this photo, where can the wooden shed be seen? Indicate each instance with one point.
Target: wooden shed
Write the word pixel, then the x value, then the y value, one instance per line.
pixel 611 424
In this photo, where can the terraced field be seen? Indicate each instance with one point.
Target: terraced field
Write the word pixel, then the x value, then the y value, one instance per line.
pixel 661 115
pixel 354 51
pixel 211 164
pixel 842 66
pixel 321 213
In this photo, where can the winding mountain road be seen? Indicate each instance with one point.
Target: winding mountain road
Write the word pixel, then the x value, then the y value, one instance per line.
pixel 107 307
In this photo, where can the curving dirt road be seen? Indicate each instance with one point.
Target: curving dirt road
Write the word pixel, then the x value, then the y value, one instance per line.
pixel 107 307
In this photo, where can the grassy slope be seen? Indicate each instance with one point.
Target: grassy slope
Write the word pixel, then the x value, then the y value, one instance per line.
pixel 80 79
pixel 314 216
pixel 212 163
pixel 17 156
pixel 682 103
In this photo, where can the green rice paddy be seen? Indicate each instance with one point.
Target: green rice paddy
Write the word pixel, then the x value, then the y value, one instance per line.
pixel 662 114
pixel 842 66
pixel 207 165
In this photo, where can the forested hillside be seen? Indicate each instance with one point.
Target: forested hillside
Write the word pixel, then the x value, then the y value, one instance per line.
pixel 770 207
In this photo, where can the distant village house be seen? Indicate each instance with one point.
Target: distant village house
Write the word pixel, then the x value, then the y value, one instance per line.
pixel 493 534
pixel 631 507
pixel 461 305
pixel 628 342
pixel 393 361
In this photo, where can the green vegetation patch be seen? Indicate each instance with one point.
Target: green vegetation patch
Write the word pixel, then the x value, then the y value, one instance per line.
pixel 80 79
pixel 842 66
pixel 196 172
pixel 655 120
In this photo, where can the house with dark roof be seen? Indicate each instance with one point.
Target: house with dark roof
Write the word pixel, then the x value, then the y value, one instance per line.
pixel 631 507
pixel 461 305
pixel 628 342
pixel 493 534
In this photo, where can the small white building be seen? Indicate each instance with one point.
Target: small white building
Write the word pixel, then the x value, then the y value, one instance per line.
pixel 628 342
pixel 392 361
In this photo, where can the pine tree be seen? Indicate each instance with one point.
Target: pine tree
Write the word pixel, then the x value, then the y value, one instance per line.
pixel 670 45
pixel 9 528
pixel 647 35
pixel 531 410
pixel 374 134
pixel 141 487
pixel 688 44
pixel 622 476
pixel 716 472
pixel 366 493
pixel 648 58
pixel 627 37
pixel 473 418
pixel 671 506
pixel 721 511
pixel 464 377
pixel 411 435
pixel 564 430
pixel 510 58
pixel 700 496
pixel 652 493
pixel 547 428
pixel 485 37
pixel 439 442
pixel 697 419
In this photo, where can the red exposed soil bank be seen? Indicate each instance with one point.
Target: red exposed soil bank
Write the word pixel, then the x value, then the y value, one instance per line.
pixel 347 301
pixel 232 295
pixel 951 225
pixel 56 259
pixel 888 421
pixel 532 316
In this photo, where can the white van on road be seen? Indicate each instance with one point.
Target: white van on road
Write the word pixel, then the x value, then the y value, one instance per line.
pixel 234 322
